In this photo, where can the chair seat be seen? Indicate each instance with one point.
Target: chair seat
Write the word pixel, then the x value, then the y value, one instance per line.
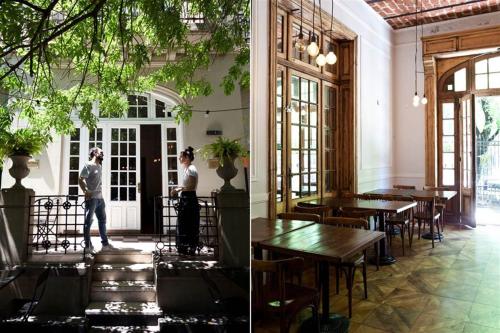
pixel 397 220
pixel 420 216
pixel 296 296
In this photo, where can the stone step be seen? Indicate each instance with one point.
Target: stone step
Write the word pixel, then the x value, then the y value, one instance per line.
pixel 123 313
pixel 203 324
pixel 125 257
pixel 45 323
pixel 122 329
pixel 123 291
pixel 123 272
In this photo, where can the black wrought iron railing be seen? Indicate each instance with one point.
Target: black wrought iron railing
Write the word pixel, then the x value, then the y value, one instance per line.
pixel 56 223
pixel 166 225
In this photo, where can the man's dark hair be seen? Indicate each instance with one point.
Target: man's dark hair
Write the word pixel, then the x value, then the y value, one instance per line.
pixel 93 152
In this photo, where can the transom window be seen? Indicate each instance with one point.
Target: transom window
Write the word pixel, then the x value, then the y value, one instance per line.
pixel 487 73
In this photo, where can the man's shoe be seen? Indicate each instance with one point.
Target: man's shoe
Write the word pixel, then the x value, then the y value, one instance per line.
pixel 109 247
pixel 89 250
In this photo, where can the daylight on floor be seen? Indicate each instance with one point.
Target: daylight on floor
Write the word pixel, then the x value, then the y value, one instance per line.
pixel 124 143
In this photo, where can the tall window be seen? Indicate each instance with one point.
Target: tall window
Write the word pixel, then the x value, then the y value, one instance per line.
pixel 487 73
pixel 123 164
pixel 74 162
pixel 172 158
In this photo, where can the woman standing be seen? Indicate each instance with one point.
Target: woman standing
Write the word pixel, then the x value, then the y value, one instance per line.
pixel 188 220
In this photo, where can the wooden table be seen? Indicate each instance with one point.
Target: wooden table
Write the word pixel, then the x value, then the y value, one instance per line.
pixel 325 244
pixel 443 195
pixel 264 229
pixel 381 206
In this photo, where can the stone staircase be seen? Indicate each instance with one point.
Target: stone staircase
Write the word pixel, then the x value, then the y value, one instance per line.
pixel 123 292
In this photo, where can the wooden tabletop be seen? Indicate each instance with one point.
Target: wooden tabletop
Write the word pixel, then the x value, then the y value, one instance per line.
pixel 322 242
pixel 379 205
pixel 444 195
pixel 264 228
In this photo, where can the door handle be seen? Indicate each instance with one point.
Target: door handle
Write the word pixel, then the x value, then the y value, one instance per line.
pixel 139 187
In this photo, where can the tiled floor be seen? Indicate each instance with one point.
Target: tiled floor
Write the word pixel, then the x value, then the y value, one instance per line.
pixel 454 287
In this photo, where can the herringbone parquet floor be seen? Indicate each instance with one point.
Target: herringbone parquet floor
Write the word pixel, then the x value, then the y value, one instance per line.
pixel 454 287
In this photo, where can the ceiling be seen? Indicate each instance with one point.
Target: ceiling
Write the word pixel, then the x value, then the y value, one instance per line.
pixel 401 13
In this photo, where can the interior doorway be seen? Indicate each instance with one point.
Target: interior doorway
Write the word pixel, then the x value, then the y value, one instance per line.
pixel 151 174
pixel 487 114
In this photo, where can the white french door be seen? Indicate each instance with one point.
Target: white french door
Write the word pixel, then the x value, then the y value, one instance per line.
pixel 122 183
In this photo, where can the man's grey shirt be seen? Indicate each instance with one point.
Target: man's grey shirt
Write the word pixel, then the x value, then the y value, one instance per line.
pixel 92 173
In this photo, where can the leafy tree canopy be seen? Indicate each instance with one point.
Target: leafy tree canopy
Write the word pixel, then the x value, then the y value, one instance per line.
pixel 102 50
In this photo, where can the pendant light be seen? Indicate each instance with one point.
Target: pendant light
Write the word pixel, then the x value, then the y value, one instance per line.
pixel 300 44
pixel 416 99
pixel 424 99
pixel 313 48
pixel 331 58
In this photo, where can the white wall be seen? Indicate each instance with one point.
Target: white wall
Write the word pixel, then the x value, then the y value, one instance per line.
pixel 47 178
pixel 409 122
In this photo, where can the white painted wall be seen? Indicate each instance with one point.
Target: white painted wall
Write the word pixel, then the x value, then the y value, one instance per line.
pixel 47 179
pixel 409 122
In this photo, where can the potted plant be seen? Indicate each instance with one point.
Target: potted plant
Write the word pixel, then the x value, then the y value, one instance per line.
pixel 225 151
pixel 20 145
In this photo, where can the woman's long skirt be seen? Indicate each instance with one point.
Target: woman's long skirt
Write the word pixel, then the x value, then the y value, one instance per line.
pixel 188 222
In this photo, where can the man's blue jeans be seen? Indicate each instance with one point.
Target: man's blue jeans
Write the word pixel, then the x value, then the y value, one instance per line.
pixel 98 207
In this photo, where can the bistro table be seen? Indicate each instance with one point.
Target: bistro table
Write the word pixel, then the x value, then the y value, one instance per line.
pixel 441 195
pixel 264 229
pixel 327 245
pixel 381 206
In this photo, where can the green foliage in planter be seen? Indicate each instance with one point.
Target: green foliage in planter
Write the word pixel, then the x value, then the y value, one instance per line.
pixel 223 148
pixel 22 141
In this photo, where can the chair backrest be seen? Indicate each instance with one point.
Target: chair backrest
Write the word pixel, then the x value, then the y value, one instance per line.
pixel 437 188
pixel 347 222
pixel 362 196
pixel 426 206
pixel 322 211
pixel 404 187
pixel 300 216
pixel 358 213
pixel 273 279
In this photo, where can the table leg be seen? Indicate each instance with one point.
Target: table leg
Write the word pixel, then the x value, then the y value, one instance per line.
pixel 384 255
pixel 328 322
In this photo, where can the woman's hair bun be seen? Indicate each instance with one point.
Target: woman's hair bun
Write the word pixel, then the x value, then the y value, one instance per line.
pixel 190 148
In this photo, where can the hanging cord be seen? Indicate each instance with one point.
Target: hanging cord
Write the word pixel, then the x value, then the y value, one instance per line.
pixel 314 12
pixel 416 32
pixel 331 28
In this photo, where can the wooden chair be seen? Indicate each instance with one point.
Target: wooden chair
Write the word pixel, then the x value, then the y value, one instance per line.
pixel 272 294
pixel 399 220
pixel 440 204
pixel 425 212
pixel 404 187
pixel 323 211
pixel 300 216
pixel 349 266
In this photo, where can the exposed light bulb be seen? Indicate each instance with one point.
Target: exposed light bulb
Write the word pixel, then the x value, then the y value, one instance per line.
pixel 313 48
pixel 423 100
pixel 331 58
pixel 321 60
pixel 416 100
pixel 300 44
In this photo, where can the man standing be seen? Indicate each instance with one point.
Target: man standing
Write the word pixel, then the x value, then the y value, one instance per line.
pixel 91 184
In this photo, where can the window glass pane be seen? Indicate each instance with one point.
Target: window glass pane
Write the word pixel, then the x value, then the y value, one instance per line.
pixel 171 134
pixel 171 149
pixel 142 100
pixel 131 132
pixel 131 147
pixel 305 185
pixel 448 177
pixel 313 138
pixel 295 160
pixel 123 178
pixel 313 115
pixel 160 109
pixel 305 161
pixel 295 186
pixel 114 194
pixel 304 90
pixel 114 148
pixel 448 127
pixel 131 178
pixel 114 134
pixel 313 161
pixel 74 148
pixel 448 144
pixel 114 178
pixel 304 113
pixel 131 194
pixel 143 112
pixel 481 66
pixel 73 163
pixel 304 131
pixel 172 163
pixel 295 112
pixel 494 64
pixel 460 80
pixel 313 183
pixel 448 160
pixel 123 194
pixel 494 80
pixel 314 92
pixel 279 32
pixel 448 110
pixel 295 87
pixel 482 81
pixel 295 136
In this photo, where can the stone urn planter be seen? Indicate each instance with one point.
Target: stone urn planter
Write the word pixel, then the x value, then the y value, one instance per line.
pixel 227 171
pixel 19 169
